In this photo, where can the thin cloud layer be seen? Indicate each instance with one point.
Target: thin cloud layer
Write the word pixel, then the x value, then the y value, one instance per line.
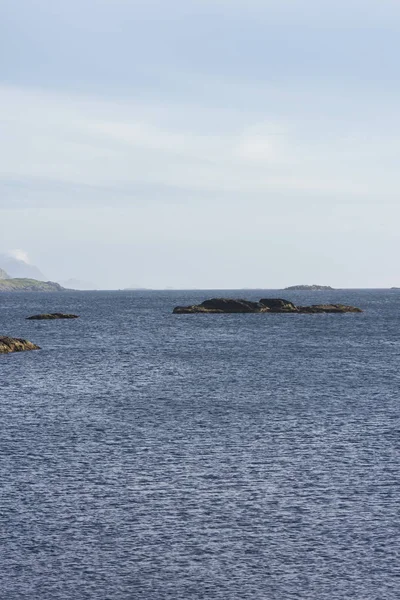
pixel 256 129
pixel 116 147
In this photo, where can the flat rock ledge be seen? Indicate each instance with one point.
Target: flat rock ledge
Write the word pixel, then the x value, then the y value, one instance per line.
pixel 8 344
pixel 265 305
pixel 51 316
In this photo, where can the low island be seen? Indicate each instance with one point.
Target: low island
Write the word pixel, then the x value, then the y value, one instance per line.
pixel 310 288
pixel 23 284
pixel 265 305
pixel 29 285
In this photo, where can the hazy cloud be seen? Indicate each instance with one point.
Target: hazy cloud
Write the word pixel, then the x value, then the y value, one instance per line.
pixel 267 132
pixel 19 254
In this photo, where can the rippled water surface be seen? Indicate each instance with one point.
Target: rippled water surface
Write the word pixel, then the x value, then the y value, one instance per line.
pixel 219 457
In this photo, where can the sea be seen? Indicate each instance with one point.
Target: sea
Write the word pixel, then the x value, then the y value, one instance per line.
pixel 152 456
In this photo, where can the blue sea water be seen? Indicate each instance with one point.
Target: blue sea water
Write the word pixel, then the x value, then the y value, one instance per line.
pixel 219 457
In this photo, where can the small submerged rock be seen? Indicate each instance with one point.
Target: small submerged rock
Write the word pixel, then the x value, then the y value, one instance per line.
pixel 265 305
pixel 8 344
pixel 51 316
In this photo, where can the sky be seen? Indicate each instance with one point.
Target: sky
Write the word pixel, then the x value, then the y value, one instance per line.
pixel 202 143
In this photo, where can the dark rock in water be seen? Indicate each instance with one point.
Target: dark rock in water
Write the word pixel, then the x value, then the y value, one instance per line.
pixel 278 305
pixel 8 344
pixel 188 310
pixel 231 305
pixel 329 308
pixel 222 305
pixel 270 305
pixel 51 316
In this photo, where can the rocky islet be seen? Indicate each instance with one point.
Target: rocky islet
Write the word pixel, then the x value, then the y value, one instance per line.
pixel 265 305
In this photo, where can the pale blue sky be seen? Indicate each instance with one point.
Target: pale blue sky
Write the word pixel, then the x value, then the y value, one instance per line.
pixel 202 143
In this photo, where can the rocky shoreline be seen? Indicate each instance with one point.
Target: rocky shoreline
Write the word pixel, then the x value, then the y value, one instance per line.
pixel 265 305
pixel 29 285
pixel 8 345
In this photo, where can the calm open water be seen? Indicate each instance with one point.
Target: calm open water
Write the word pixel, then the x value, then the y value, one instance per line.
pixel 219 457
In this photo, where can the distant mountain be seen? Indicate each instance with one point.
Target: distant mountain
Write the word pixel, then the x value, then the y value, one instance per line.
pixel 17 267
pixel 135 287
pixel 309 288
pixel 29 285
pixel 77 284
pixel 17 274
pixel 4 275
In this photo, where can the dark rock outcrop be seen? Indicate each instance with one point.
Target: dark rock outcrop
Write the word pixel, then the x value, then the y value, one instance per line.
pixel 51 316
pixel 270 305
pixel 278 305
pixel 222 305
pixel 231 306
pixel 8 344
pixel 329 308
